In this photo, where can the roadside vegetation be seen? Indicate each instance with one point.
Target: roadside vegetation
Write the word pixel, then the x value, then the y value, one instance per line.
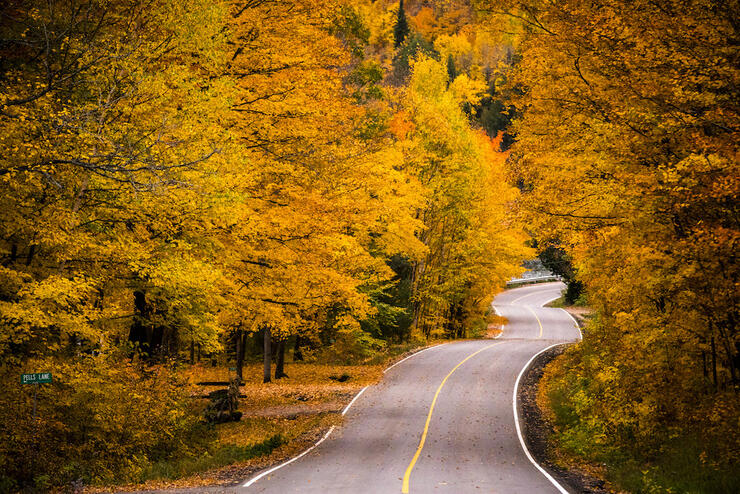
pixel 627 155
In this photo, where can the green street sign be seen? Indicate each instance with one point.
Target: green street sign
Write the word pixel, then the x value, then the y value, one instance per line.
pixel 232 369
pixel 36 378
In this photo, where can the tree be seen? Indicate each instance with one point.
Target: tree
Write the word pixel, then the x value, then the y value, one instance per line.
pixel 318 202
pixel 556 259
pixel 401 29
pixel 627 149
pixel 471 248
pixel 99 181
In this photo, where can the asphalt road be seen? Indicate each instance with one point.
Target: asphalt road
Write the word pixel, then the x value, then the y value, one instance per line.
pixel 470 439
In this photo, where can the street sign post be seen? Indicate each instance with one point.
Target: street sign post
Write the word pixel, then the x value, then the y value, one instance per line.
pixel 36 378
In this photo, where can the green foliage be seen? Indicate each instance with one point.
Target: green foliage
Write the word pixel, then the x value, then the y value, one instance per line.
pixel 366 77
pixel 393 304
pixel 557 261
pixel 413 47
pixel 218 456
pixel 451 70
pixel 401 29
pixel 349 26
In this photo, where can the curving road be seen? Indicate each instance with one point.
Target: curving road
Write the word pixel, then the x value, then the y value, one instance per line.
pixel 470 441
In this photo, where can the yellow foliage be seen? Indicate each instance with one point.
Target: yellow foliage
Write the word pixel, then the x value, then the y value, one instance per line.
pixel 472 247
pixel 627 151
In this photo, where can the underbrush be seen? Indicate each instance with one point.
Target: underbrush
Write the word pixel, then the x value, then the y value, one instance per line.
pixel 98 421
pixel 674 457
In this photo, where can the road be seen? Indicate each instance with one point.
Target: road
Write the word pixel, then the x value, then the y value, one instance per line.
pixel 470 442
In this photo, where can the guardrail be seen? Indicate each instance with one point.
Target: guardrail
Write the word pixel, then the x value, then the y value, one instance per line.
pixel 533 279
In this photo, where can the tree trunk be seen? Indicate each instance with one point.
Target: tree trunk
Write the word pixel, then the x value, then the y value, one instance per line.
pixel 192 351
pixel 239 355
pixel 714 362
pixel 268 354
pixel 297 353
pixel 31 252
pixel 138 332
pixel 280 360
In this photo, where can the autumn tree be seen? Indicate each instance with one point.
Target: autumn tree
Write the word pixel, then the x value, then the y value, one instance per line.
pixel 628 151
pixel 100 167
pixel 320 203
pixel 101 223
pixel 472 249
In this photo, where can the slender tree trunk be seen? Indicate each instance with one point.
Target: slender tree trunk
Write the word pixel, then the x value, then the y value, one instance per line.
pixel 297 353
pixel 714 362
pixel 192 351
pixel 268 354
pixel 280 360
pixel 239 355
pixel 31 252
pixel 138 334
pixel 726 341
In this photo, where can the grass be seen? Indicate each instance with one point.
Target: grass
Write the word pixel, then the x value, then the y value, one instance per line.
pixel 677 469
pixel 560 303
pixel 221 455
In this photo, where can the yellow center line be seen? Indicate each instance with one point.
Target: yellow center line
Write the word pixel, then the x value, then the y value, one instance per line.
pixel 407 475
pixel 538 319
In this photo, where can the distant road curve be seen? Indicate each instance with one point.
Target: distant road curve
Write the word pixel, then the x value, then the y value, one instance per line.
pixel 440 421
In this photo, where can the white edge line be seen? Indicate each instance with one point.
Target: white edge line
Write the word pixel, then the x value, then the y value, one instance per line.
pixel 412 355
pixel 353 399
pixel 578 326
pixel 268 472
pixel 518 427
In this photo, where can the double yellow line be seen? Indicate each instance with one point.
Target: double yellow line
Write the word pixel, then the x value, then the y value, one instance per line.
pixel 407 475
